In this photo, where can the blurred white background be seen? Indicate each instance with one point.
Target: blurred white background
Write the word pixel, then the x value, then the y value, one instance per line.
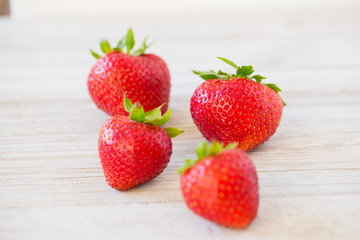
pixel 105 9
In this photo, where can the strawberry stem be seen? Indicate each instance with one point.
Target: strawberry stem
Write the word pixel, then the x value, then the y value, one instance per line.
pixel 127 41
pixel 241 72
pixel 152 117
pixel 202 151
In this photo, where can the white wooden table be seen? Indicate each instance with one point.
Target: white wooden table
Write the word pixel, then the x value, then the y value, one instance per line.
pixel 51 181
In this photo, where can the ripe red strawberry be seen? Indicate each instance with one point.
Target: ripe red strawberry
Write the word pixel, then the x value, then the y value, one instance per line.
pixel 235 108
pixel 221 185
pixel 135 149
pixel 144 77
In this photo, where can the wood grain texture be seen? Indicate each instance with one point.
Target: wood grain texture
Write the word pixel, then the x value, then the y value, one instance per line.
pixel 51 181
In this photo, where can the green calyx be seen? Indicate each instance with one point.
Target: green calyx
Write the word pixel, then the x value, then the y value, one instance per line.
pixel 202 151
pixel 128 42
pixel 152 117
pixel 241 72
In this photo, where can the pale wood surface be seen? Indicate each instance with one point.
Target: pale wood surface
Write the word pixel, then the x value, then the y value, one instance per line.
pixel 51 181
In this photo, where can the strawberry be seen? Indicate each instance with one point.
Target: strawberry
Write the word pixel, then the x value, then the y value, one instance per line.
pixel 135 149
pixel 221 185
pixel 235 108
pixel 144 77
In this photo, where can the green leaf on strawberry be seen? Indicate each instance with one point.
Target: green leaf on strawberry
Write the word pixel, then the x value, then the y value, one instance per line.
pixel 173 132
pixel 258 78
pixel 273 87
pixel 241 72
pixel 152 117
pixel 105 46
pixel 137 113
pixel 153 114
pixel 97 56
pixel 161 120
pixel 211 75
pixel 231 146
pixel 203 151
pixel 127 41
pixel 127 104
pixel 121 44
pixel 244 71
pixel 142 49
pixel 130 41
pixel 215 148
pixel 231 63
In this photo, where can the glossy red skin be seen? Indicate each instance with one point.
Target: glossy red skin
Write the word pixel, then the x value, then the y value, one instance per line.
pixel 237 110
pixel 223 189
pixel 132 153
pixel 144 78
